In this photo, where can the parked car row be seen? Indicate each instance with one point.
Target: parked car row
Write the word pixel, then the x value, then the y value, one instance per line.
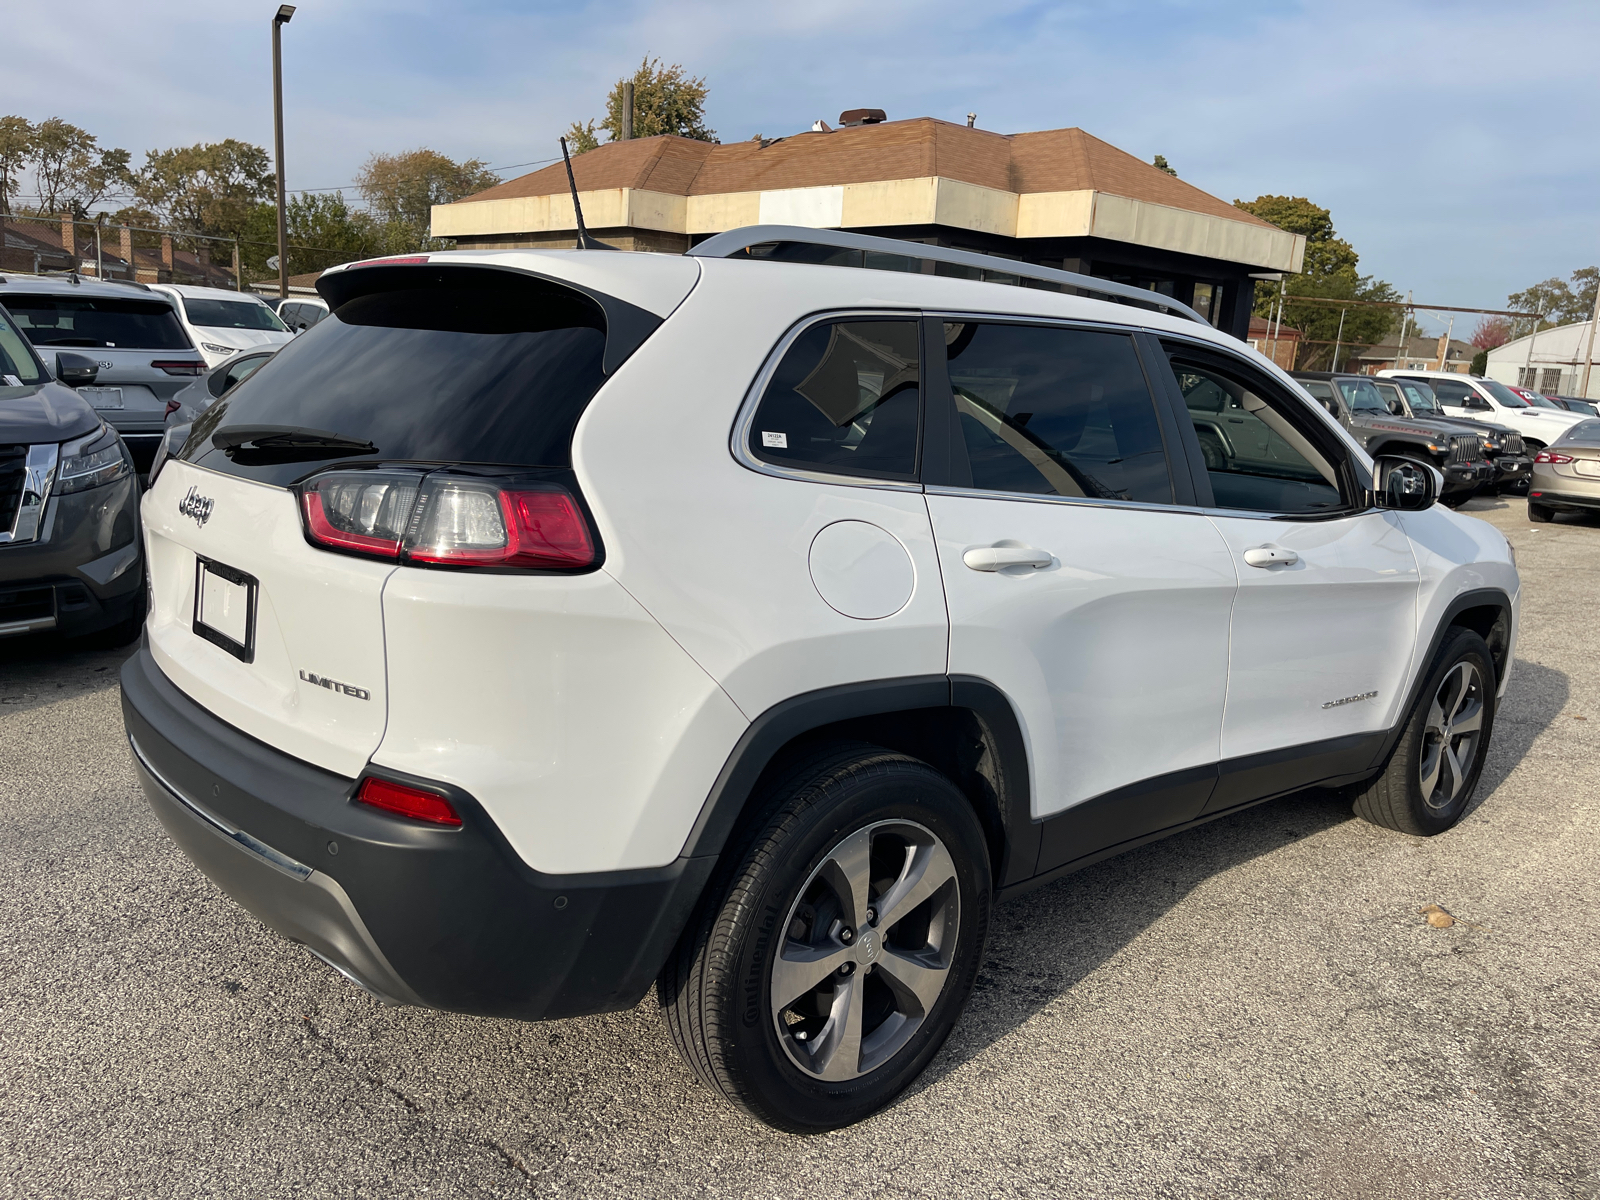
pixel 541 627
pixel 92 375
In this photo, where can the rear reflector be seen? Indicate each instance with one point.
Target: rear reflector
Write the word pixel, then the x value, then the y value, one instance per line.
pixel 406 801
pixel 180 366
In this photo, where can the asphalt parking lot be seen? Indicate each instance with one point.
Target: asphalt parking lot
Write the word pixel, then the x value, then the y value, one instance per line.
pixel 1255 1008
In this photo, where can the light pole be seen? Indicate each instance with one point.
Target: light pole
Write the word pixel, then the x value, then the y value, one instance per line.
pixel 285 11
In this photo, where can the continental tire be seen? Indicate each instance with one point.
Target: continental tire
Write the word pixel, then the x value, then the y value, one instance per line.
pixel 1428 781
pixel 838 950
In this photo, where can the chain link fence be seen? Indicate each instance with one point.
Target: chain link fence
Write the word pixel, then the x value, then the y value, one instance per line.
pixel 42 245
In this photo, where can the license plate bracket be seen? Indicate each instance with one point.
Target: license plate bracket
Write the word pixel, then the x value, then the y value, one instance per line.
pixel 225 607
pixel 102 397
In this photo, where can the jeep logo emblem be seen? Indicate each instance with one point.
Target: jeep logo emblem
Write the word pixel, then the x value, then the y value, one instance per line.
pixel 867 947
pixel 197 506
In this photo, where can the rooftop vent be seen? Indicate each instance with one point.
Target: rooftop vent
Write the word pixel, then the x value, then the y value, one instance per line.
pixel 862 116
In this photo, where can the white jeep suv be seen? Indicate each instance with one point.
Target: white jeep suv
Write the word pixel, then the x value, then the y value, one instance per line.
pixel 542 626
pixel 1475 398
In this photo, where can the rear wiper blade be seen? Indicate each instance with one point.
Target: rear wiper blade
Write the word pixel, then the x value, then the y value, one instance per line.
pixel 286 437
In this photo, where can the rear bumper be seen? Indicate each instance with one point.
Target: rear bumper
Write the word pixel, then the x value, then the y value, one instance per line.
pixel 415 914
pixel 1539 494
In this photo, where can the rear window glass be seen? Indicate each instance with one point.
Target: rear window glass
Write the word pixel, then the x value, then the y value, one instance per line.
pixel 231 314
pixel 846 398
pixel 492 369
pixel 98 322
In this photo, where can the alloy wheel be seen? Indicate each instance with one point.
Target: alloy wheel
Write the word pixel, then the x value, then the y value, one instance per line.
pixel 1451 736
pixel 866 951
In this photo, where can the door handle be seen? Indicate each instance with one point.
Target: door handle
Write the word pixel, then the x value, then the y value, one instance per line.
pixel 993 558
pixel 1270 556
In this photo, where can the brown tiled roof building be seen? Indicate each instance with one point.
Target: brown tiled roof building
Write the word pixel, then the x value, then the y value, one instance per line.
pixel 1058 197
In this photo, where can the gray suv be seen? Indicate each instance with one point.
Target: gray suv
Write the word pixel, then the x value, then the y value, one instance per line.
pixel 1354 401
pixel 130 333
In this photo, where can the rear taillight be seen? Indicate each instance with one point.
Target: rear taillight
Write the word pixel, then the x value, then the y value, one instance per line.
pixel 1546 456
pixel 364 511
pixel 180 366
pixel 405 801
pixel 472 523
pixel 441 520
pixel 172 407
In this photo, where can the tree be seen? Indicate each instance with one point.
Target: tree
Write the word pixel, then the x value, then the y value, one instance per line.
pixel 323 231
pixel 1480 363
pixel 1561 303
pixel 403 188
pixel 209 188
pixel 1330 273
pixel 1160 163
pixel 16 151
pixel 666 100
pixel 1491 332
pixel 72 171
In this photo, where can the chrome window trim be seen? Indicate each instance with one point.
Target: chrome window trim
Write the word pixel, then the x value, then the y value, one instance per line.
pixel 739 442
pixel 39 474
pixel 1071 501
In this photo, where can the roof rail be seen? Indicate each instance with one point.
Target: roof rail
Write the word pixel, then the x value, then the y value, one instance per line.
pixel 738 241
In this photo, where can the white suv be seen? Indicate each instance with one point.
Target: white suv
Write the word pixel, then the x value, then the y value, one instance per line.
pixel 542 626
pixel 1479 399
pixel 224 323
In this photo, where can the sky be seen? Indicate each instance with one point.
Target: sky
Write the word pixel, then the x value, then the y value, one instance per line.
pixel 1454 143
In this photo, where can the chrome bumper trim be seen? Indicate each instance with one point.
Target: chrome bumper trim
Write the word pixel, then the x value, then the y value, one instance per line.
pixel 273 858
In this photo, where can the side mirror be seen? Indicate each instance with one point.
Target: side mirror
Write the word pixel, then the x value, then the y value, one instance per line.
pixel 75 370
pixel 1404 484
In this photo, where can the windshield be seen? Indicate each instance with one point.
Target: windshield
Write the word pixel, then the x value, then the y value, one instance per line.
pixel 1502 393
pixel 1420 397
pixel 1361 396
pixel 17 363
pixel 232 314
pixel 1539 401
pixel 98 321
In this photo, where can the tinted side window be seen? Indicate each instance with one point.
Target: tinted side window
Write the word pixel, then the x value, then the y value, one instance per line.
pixel 1056 412
pixel 1256 457
pixel 1457 395
pixel 846 398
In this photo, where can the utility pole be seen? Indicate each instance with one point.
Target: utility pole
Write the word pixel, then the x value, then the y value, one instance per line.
pixel 238 271
pixel 1588 355
pixel 1338 338
pixel 99 251
pixel 627 112
pixel 279 20
pixel 1399 365
pixel 1527 366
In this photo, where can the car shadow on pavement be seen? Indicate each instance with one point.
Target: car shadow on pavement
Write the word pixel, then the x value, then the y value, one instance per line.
pixel 39 670
pixel 1045 943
